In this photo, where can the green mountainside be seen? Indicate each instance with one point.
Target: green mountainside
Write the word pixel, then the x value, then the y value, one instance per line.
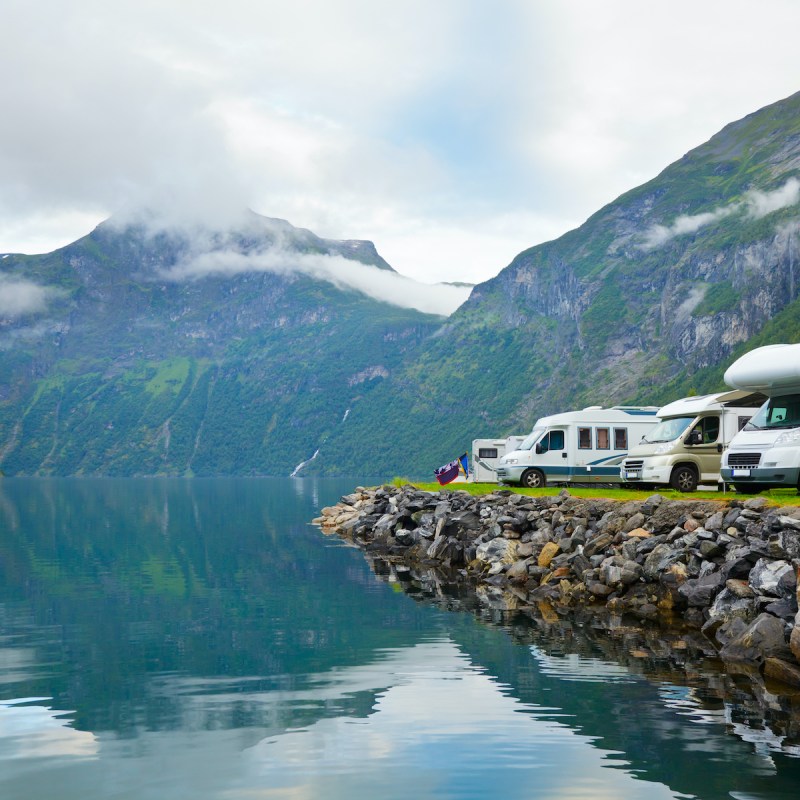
pixel 648 301
pixel 128 373
pixel 135 367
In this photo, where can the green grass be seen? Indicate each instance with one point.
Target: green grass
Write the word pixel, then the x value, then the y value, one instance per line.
pixel 778 497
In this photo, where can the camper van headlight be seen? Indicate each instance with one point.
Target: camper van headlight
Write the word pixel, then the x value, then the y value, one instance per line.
pixel 664 448
pixel 508 461
pixel 788 438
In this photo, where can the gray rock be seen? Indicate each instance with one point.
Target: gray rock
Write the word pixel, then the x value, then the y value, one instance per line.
pixel 763 637
pixel 785 543
pixel 597 544
pixel 498 550
pixel 728 605
pixel 715 522
pixel 631 572
pixel 785 608
pixel 636 521
pixel 700 592
pixel 662 557
pixel 731 517
pixel 709 549
pixel 405 537
pixel 756 503
pixel 774 578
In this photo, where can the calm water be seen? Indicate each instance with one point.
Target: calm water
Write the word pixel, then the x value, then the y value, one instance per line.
pixel 198 639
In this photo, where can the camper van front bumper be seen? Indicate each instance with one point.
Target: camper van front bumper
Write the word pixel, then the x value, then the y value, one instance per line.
pixel 646 472
pixel 768 476
pixel 510 473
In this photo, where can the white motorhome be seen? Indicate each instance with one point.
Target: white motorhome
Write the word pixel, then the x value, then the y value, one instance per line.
pixel 486 455
pixel 685 448
pixel 577 447
pixel 766 452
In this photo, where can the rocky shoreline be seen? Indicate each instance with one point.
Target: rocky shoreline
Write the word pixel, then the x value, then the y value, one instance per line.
pixel 726 573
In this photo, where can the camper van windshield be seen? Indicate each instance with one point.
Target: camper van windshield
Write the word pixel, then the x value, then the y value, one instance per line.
pixel 533 437
pixel 777 412
pixel 668 430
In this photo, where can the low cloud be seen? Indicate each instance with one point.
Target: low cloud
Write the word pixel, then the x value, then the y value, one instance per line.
pixel 19 297
pixel 759 204
pixel 755 205
pixel 657 235
pixel 379 284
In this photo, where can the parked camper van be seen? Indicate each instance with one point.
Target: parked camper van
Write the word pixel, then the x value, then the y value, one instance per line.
pixel 577 447
pixel 685 448
pixel 766 452
pixel 486 455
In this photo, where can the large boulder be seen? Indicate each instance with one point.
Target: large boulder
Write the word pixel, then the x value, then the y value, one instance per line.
pixel 700 592
pixel 728 605
pixel 774 578
pixel 762 638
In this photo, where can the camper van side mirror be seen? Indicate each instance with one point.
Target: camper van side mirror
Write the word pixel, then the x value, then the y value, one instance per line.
pixel 539 448
pixel 694 437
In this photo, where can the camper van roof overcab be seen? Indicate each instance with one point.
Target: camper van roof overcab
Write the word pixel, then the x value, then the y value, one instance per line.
pixel 766 452
pixel 771 369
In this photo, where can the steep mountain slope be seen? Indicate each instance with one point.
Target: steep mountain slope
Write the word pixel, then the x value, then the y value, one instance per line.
pixel 161 353
pixel 648 300
pixel 131 352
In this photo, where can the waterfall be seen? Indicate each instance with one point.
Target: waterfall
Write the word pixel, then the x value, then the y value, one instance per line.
pixel 303 463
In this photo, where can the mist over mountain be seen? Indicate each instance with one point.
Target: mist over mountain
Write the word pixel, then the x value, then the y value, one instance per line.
pixel 144 349
pixel 138 350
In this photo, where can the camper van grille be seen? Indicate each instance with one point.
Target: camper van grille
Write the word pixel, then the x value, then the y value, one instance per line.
pixel 743 459
pixel 633 464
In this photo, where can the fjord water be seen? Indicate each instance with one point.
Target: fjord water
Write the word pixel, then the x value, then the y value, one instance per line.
pixel 199 639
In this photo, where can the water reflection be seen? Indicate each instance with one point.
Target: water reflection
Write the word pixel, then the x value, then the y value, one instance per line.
pixel 169 638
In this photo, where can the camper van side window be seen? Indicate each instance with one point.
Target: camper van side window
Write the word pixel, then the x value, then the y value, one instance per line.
pixel 556 440
pixel 487 452
pixel 584 438
pixel 603 439
pixel 620 438
pixel 742 422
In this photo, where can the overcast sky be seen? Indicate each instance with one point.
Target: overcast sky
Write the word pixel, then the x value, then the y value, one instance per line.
pixel 452 133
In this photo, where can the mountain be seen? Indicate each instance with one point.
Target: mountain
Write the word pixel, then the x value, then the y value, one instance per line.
pixel 177 353
pixel 647 301
pixel 134 351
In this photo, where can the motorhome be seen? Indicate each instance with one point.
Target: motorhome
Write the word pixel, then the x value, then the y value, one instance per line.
pixel 766 452
pixel 486 455
pixel 685 448
pixel 577 447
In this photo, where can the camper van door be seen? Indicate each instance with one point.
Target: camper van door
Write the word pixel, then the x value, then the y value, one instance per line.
pixel 551 454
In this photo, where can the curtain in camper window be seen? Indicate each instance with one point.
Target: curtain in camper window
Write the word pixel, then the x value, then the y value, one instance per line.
pixel 603 439
pixel 584 438
pixel 620 438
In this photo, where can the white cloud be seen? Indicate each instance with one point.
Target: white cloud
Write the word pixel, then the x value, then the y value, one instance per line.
pixel 657 235
pixel 19 297
pixel 380 284
pixel 755 204
pixel 759 204
pixel 357 119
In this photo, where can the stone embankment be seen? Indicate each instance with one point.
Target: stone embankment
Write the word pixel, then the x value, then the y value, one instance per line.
pixel 728 569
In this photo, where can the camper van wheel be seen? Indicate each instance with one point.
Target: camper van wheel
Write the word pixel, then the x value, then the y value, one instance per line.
pixel 684 479
pixel 533 479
